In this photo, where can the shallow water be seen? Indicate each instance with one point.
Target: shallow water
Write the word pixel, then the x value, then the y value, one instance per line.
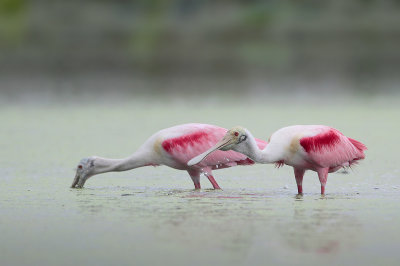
pixel 153 215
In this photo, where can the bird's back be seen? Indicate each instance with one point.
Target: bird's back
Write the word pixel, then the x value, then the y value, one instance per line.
pixel 177 145
pixel 284 143
pixel 317 145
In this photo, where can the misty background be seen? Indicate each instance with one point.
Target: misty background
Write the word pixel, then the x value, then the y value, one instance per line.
pixel 198 48
pixel 83 78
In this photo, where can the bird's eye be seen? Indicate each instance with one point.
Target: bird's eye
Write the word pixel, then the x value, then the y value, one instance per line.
pixel 243 138
pixel 80 166
pixel 236 133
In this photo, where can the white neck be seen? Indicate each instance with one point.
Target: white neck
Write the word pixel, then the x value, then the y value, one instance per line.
pixel 254 152
pixel 103 165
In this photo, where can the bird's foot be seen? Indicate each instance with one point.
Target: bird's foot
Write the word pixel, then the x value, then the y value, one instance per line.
pixel 299 196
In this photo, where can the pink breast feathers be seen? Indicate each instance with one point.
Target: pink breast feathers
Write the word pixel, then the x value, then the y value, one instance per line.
pixel 316 143
pixel 184 141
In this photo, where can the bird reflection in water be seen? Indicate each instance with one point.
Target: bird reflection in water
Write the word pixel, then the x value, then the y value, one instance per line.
pixel 320 229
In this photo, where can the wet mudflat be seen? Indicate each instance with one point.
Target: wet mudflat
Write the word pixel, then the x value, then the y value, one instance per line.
pixel 153 216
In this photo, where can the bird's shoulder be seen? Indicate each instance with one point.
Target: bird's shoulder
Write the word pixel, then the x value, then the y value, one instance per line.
pixel 186 136
pixel 320 138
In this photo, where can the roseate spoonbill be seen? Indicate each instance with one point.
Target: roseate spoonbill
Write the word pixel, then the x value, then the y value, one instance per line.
pixel 305 147
pixel 172 147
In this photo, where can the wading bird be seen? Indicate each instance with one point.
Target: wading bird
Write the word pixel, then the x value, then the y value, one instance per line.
pixel 305 147
pixel 172 147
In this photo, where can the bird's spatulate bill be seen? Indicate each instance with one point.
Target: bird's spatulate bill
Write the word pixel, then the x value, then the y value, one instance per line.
pixel 76 179
pixel 202 156
pixel 198 158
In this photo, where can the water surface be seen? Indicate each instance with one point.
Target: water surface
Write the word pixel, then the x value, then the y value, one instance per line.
pixel 152 216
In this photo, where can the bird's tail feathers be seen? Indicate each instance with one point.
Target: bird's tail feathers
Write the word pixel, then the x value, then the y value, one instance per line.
pixel 360 146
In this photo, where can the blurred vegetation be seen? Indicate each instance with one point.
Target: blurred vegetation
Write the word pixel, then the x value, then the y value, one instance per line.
pixel 12 22
pixel 298 38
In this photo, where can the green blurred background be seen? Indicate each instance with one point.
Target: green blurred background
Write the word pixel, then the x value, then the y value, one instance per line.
pixel 81 78
pixel 184 48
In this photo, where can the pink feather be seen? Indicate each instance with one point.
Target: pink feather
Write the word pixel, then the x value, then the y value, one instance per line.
pixel 185 147
pixel 330 148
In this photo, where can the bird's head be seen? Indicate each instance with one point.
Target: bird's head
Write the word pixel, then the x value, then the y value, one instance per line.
pixel 234 139
pixel 84 170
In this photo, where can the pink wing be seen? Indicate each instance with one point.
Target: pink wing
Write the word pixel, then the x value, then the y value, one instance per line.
pixel 331 148
pixel 192 143
pixel 224 159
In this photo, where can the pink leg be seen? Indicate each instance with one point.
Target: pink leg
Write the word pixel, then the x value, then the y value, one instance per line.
pixel 212 180
pixel 299 173
pixel 196 179
pixel 323 177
